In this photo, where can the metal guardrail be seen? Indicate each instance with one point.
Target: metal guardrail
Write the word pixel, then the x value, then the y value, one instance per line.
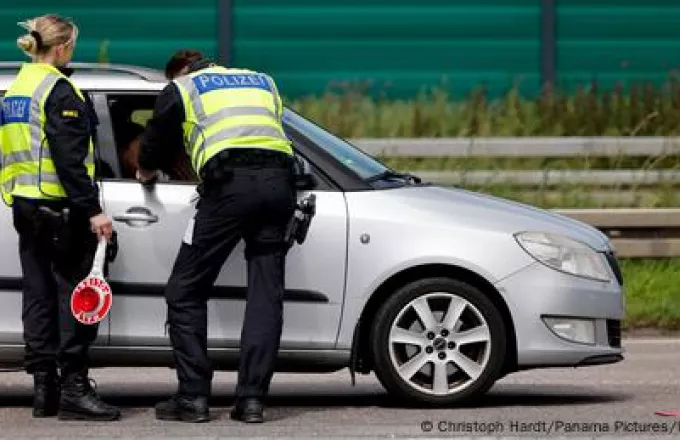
pixel 533 147
pixel 520 146
pixel 635 233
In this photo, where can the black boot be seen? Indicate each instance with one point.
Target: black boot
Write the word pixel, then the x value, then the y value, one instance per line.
pixel 248 410
pixel 79 401
pixel 46 393
pixel 184 408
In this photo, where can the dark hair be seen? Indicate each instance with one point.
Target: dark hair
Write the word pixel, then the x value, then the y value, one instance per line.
pixel 180 60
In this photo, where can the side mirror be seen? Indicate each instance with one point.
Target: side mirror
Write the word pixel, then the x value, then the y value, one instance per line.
pixel 304 179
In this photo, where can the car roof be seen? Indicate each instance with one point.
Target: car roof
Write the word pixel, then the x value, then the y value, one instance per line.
pixel 96 76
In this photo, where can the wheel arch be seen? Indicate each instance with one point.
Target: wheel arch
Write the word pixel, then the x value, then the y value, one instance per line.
pixel 362 356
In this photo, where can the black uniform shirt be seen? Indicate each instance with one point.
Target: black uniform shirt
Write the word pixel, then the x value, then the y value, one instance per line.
pixel 70 123
pixel 163 135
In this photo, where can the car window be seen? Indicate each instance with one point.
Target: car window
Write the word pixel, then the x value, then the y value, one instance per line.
pixel 129 115
pixel 356 160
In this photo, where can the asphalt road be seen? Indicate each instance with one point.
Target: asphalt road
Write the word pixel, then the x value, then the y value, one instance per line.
pixel 616 400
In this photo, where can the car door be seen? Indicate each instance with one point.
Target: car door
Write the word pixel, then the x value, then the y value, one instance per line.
pixel 11 327
pixel 150 223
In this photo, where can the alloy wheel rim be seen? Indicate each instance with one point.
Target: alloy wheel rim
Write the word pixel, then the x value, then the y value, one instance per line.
pixel 439 343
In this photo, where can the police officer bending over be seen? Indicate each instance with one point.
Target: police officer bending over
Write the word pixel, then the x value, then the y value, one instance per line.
pixel 230 120
pixel 47 177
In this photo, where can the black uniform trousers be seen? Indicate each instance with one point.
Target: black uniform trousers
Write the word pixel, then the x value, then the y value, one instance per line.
pixel 55 256
pixel 248 202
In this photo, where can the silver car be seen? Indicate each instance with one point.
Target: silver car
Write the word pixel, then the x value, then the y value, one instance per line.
pixel 438 291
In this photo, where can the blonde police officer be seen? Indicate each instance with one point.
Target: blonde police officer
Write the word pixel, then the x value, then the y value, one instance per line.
pixel 46 128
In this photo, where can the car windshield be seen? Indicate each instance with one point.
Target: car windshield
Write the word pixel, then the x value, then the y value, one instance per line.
pixel 359 162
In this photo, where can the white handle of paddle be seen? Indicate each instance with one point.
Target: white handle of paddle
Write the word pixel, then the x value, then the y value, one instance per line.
pixel 99 258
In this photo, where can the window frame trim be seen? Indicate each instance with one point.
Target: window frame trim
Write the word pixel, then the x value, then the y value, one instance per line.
pixel 101 103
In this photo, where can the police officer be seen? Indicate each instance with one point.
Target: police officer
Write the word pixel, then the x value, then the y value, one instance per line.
pixel 47 178
pixel 230 123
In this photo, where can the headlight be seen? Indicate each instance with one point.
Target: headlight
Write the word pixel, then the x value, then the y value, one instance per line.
pixel 565 254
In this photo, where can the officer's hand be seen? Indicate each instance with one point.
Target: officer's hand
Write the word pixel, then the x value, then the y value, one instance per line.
pixel 146 177
pixel 102 226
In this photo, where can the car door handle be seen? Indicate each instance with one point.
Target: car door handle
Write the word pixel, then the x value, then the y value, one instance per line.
pixel 136 214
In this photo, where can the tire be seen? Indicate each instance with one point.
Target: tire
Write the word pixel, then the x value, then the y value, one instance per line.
pixel 456 387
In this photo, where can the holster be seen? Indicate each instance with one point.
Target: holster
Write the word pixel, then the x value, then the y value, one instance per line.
pixel 59 224
pixel 299 224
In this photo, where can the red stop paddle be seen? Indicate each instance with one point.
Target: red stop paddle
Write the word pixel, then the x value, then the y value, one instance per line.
pixel 91 299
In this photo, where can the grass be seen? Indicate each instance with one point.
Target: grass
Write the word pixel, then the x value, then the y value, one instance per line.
pixel 652 293
pixel 642 109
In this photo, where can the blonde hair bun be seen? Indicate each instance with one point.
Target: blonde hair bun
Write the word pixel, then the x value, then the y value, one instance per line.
pixel 28 44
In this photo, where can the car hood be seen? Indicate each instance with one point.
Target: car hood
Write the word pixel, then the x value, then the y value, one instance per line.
pixel 463 208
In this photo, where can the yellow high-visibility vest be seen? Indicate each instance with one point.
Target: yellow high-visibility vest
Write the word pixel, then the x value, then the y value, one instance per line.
pixel 27 169
pixel 230 108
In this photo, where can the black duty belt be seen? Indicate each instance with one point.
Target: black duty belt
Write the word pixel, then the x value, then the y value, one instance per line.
pixel 245 158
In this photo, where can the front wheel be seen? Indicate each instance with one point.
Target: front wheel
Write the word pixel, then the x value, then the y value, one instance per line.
pixel 438 341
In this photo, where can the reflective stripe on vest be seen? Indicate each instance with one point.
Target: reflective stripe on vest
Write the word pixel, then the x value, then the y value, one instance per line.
pixel 229 108
pixel 31 180
pixel 27 168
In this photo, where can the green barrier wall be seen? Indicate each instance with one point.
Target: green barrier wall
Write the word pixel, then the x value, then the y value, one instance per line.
pixel 400 46
pixel 617 40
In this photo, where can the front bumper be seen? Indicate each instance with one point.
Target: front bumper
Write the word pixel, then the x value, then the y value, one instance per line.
pixel 538 292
